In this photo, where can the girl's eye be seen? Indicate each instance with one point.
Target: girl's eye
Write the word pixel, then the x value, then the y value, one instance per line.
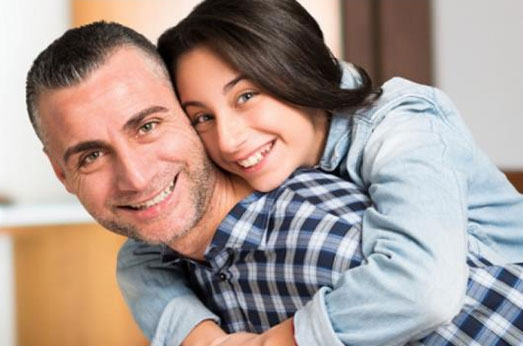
pixel 246 97
pixel 200 119
pixel 148 127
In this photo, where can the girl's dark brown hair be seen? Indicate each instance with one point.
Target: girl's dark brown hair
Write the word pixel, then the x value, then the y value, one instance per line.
pixel 274 43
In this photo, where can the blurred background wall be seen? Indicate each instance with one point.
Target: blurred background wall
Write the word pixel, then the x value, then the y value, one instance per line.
pixel 475 56
pixel 478 61
pixel 26 27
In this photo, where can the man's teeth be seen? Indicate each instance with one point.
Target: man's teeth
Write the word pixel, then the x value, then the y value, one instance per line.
pixel 157 199
pixel 256 157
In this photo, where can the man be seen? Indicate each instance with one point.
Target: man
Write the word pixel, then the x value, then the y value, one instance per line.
pixel 101 102
pixel 118 140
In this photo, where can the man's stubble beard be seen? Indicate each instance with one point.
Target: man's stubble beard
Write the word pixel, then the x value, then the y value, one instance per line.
pixel 202 178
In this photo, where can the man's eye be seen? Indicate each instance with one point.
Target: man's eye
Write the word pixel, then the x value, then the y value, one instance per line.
pixel 148 127
pixel 246 97
pixel 89 158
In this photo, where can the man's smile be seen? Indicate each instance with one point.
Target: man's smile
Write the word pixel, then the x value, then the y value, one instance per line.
pixel 159 198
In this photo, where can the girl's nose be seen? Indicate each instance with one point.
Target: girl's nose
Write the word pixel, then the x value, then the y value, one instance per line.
pixel 231 135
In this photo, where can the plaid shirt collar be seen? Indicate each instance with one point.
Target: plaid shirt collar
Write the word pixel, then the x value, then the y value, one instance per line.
pixel 245 226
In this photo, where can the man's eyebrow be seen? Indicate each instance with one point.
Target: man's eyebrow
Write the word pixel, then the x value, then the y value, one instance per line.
pixel 82 146
pixel 226 88
pixel 136 119
pixel 131 123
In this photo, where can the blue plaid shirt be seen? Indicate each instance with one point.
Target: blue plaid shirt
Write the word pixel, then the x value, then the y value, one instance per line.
pixel 274 251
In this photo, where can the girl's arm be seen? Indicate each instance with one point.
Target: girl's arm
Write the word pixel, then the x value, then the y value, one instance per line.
pixel 161 302
pixel 413 240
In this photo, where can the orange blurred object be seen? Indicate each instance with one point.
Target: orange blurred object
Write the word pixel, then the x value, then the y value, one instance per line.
pixel 149 17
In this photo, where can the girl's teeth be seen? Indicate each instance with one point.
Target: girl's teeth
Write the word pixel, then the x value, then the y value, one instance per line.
pixel 252 160
pixel 256 157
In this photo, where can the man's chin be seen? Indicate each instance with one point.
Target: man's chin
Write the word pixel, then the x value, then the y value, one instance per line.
pixel 147 234
pixel 120 228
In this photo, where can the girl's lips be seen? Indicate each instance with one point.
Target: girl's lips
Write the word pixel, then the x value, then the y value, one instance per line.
pixel 256 157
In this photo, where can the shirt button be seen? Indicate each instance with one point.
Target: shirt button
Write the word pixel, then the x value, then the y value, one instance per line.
pixel 222 276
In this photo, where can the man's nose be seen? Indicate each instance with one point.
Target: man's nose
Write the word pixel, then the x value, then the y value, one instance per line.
pixel 232 134
pixel 133 170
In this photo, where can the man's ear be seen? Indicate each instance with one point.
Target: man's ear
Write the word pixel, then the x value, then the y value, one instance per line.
pixel 58 170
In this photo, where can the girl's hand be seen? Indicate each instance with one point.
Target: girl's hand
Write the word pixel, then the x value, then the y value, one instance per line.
pixel 279 335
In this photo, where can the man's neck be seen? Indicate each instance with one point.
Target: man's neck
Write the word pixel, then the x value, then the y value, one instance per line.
pixel 228 191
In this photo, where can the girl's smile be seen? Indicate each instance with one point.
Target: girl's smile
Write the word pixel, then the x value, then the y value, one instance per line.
pixel 254 159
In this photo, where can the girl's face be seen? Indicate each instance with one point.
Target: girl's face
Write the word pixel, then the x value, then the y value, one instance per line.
pixel 246 131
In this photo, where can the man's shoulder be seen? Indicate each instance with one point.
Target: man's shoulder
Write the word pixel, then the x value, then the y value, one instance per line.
pixel 315 182
pixel 322 190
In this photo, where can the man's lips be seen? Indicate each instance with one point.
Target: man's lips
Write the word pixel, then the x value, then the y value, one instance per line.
pixel 256 157
pixel 159 198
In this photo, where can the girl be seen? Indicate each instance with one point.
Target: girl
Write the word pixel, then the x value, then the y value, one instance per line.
pixel 267 97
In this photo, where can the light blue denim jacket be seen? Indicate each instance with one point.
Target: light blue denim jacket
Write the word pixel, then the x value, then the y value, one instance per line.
pixel 435 196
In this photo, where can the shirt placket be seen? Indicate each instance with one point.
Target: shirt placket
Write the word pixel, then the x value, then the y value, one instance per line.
pixel 224 290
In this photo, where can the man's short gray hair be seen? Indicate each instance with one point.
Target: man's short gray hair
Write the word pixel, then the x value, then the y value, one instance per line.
pixel 73 56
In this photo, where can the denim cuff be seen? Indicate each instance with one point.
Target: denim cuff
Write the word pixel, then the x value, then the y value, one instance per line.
pixel 312 326
pixel 179 317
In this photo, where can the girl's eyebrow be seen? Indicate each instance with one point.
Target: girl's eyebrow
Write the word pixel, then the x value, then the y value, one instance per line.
pixel 191 103
pixel 232 83
pixel 226 88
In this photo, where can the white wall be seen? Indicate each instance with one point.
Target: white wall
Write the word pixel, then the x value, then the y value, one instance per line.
pixel 479 63
pixel 327 14
pixel 26 27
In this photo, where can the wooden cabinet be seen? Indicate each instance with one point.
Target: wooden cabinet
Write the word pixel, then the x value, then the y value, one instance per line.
pixel 66 290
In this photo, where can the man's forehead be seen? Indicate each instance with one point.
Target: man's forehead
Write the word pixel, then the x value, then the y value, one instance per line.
pixel 126 75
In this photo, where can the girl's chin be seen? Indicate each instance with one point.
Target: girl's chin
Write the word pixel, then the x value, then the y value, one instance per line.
pixel 266 183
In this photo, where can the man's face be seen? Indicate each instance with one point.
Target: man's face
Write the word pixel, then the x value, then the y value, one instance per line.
pixel 120 142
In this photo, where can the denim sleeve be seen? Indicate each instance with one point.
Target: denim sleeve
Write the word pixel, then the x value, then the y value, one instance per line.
pixel 161 302
pixel 414 275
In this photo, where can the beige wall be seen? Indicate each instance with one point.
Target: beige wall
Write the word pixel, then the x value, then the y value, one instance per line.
pixel 149 17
